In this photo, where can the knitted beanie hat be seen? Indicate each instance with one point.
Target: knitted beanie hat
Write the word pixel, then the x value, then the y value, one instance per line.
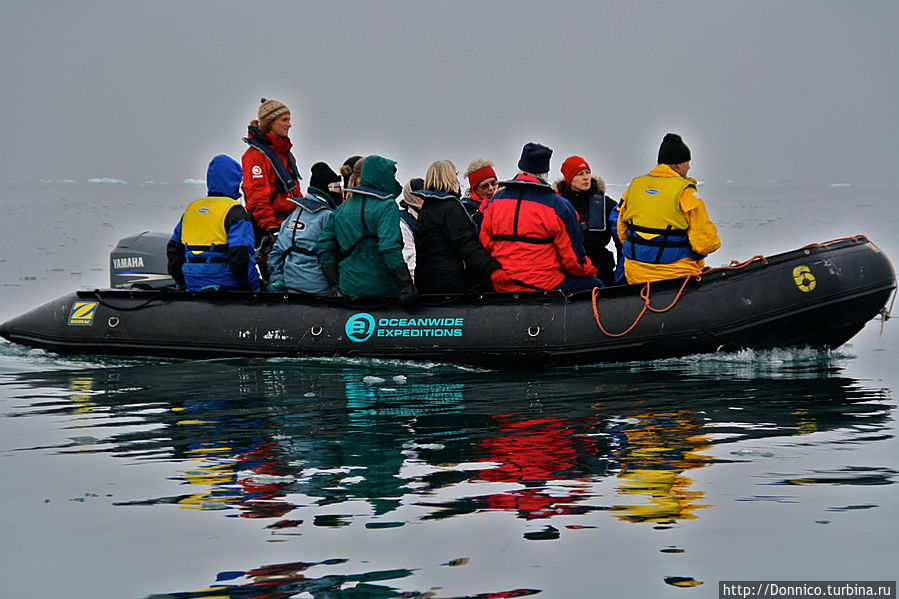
pixel 572 166
pixel 673 150
pixel 268 111
pixel 535 158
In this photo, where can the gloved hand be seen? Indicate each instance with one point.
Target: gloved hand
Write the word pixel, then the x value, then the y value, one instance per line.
pixel 499 277
pixel 276 285
pixel 408 296
pixel 266 243
pixel 332 276
pixel 408 292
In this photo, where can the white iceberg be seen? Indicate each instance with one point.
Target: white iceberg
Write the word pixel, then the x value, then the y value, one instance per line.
pixel 107 181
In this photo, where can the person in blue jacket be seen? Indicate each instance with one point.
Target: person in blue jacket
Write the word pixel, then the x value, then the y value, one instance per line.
pixel 212 246
pixel 293 261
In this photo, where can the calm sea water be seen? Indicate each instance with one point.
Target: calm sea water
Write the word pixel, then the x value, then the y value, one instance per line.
pixel 367 479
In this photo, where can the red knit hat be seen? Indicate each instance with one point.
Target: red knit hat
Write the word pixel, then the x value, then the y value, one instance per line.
pixel 572 166
pixel 475 178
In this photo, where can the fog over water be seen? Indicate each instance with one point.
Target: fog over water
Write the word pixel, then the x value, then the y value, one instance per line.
pixel 761 91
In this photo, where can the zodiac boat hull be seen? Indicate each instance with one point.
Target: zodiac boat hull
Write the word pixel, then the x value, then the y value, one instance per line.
pixel 817 296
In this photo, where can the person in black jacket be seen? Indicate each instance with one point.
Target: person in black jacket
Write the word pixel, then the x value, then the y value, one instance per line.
pixel 449 257
pixel 586 192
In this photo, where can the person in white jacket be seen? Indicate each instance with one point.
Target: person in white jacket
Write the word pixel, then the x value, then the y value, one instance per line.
pixel 410 206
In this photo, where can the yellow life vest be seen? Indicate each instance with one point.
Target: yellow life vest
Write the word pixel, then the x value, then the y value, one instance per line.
pixel 203 224
pixel 654 202
pixel 656 225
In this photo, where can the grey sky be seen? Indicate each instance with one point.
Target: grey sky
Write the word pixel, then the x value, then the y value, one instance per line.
pixel 151 90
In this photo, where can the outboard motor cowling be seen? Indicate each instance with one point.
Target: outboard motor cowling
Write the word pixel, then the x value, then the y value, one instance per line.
pixel 140 261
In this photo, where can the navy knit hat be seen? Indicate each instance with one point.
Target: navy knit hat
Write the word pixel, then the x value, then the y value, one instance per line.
pixel 673 150
pixel 321 176
pixel 535 158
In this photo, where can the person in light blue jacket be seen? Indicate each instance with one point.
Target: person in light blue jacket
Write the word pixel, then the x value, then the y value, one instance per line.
pixel 293 261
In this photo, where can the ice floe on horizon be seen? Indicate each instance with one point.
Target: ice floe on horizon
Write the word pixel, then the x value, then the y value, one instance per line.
pixel 841 184
pixel 194 182
pixel 107 181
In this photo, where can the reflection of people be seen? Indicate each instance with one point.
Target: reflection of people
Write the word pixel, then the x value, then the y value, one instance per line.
pixel 270 173
pixel 534 233
pixel 587 193
pixel 361 246
pixel 655 452
pixel 663 225
pixel 449 257
pixel 212 245
pixel 531 452
pixel 293 263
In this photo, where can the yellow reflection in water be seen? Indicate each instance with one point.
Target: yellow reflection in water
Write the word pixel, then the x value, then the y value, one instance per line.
pixel 81 387
pixel 213 474
pixel 659 449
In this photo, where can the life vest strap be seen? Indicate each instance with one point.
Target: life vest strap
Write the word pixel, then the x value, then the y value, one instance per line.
pixel 366 234
pixel 208 248
pixel 522 239
pixel 301 250
pixel 654 231
pixel 208 259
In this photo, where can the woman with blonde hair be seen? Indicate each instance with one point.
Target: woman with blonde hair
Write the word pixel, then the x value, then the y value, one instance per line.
pixel 449 257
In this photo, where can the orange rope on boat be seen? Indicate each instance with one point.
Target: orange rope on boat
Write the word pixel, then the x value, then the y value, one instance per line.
pixel 644 294
pixel 824 244
pixel 734 265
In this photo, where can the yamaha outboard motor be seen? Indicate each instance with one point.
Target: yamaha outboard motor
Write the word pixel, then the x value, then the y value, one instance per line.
pixel 140 261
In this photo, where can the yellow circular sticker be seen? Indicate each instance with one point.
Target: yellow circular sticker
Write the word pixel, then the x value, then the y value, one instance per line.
pixel 804 278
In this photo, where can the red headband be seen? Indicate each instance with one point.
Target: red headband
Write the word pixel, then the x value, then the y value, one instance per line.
pixel 475 178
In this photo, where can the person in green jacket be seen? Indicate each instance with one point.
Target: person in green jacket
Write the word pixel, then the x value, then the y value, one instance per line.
pixel 360 249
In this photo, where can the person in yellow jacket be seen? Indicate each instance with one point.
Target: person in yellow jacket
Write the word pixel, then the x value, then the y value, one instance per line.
pixel 663 225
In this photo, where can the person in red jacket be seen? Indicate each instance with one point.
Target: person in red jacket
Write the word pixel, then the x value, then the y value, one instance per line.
pixel 534 233
pixel 270 173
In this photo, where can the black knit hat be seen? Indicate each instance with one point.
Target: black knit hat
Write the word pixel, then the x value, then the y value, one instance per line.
pixel 321 176
pixel 535 158
pixel 673 150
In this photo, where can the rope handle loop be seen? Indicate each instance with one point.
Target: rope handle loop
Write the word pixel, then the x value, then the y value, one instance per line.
pixel 645 295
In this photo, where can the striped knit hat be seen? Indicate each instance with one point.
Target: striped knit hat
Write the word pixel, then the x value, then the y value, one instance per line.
pixel 268 111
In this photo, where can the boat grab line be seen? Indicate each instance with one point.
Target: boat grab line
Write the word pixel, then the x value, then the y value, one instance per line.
pixel 644 293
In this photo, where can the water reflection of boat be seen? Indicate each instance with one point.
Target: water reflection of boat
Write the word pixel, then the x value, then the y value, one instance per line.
pixel 261 438
pixel 818 296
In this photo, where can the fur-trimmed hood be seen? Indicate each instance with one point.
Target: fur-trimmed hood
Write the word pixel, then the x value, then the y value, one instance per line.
pixel 561 187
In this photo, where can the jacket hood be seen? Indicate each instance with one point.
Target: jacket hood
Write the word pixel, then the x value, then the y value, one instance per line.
pixel 380 173
pixel 427 194
pixel 223 177
pixel 663 170
pixel 562 187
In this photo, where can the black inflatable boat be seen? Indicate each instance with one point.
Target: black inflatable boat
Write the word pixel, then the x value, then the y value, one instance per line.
pixel 817 296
